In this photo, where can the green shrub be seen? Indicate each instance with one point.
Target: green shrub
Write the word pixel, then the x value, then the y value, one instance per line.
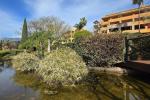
pixel 4 53
pixel 82 34
pixel 100 50
pixel 8 53
pixel 62 67
pixel 144 45
pixel 25 62
pixel 39 40
pixel 141 43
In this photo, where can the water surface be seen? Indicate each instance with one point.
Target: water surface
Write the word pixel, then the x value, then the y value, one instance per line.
pixel 18 86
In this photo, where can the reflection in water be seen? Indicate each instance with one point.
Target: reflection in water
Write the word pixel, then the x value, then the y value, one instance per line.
pixel 1 66
pixel 96 87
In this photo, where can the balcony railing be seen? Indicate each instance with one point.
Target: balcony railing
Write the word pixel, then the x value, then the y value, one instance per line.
pixel 104 23
pixel 130 17
pixel 135 31
pixel 127 24
pixel 120 25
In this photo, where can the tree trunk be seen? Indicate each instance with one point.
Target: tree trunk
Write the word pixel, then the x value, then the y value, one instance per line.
pixel 139 18
pixel 49 46
pixel 140 54
pixel 42 50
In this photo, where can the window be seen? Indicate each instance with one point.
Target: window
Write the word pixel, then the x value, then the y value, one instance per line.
pixel 148 25
pixel 125 21
pixel 117 22
pixel 126 28
pixel 104 26
pixel 114 30
pixel 142 26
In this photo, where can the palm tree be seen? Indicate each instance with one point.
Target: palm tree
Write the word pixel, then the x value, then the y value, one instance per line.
pixel 81 24
pixel 139 3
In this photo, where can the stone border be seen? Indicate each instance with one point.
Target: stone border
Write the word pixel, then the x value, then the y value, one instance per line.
pixel 110 70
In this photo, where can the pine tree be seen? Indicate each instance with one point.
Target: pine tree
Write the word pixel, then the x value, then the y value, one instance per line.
pixel 24 30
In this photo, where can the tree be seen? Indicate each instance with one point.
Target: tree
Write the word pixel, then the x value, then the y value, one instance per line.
pixel 81 24
pixel 43 32
pixel 48 24
pixel 139 3
pixel 51 25
pixel 96 27
pixel 24 30
pixel 1 44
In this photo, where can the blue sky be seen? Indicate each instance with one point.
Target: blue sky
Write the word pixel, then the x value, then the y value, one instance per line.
pixel 12 12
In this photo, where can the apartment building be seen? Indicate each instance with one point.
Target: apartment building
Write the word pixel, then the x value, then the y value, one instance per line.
pixel 126 21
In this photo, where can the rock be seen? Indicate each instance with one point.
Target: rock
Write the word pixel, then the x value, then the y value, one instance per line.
pixel 48 92
pixel 115 70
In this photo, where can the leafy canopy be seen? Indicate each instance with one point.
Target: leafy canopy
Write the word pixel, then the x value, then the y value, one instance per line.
pixel 139 2
pixel 36 39
pixel 41 30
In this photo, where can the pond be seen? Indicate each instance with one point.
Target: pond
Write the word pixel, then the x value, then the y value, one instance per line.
pixel 18 86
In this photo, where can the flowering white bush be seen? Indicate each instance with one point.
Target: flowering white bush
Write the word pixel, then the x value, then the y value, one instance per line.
pixel 63 66
pixel 25 62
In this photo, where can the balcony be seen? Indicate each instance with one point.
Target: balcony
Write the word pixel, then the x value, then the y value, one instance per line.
pixel 137 22
pixel 130 17
pixel 120 25
pixel 104 28
pixel 113 26
pixel 121 18
pixel 126 24
pixel 142 15
pixel 104 23
pixel 135 31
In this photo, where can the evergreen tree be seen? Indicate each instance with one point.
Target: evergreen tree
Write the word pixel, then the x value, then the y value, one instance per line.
pixel 24 30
